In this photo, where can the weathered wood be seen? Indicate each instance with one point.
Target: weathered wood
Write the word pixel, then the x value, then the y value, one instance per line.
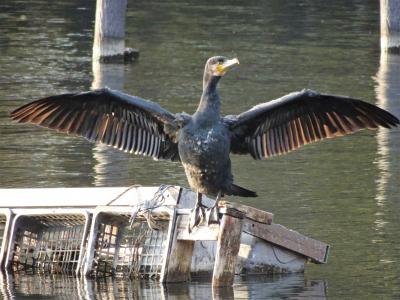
pixel 223 292
pixel 251 212
pixel 288 239
pixel 227 249
pixel 200 233
pixel 179 258
pixel 390 25
pixel 168 248
pixel 109 33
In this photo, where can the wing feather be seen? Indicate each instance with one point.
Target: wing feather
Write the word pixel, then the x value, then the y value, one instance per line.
pixel 300 118
pixel 110 117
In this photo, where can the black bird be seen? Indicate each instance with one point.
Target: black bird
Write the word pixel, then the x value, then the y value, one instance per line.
pixel 203 141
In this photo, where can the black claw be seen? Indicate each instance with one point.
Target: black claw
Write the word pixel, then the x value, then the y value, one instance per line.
pixel 213 215
pixel 197 216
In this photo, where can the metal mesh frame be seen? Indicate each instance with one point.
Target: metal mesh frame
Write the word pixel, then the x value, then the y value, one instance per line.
pixel 48 243
pixel 130 251
pixel 3 220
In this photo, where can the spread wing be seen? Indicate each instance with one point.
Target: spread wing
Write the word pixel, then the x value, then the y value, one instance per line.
pixel 299 118
pixel 126 122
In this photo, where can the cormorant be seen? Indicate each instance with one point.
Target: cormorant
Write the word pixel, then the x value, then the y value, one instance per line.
pixel 202 142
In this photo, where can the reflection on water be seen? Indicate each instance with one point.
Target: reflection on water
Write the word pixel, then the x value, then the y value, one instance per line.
pixel 69 287
pixel 388 96
pixel 344 192
pixel 108 163
pixel 388 152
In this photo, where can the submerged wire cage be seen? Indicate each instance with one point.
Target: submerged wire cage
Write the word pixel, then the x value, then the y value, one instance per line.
pixel 142 233
pixel 129 249
pixel 3 222
pixel 48 243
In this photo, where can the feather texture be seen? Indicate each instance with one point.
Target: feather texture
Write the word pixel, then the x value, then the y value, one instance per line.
pixel 128 123
pixel 285 124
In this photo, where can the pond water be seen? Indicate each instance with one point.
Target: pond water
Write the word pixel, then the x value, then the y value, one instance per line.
pixel 344 192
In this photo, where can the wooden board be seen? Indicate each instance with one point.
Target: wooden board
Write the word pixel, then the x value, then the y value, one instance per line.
pixel 179 257
pixel 289 239
pixel 227 249
pixel 251 212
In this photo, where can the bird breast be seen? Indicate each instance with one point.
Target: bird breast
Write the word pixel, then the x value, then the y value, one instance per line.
pixel 196 144
pixel 205 155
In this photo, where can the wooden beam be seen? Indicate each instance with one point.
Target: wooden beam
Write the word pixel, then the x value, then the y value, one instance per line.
pixel 228 245
pixel 179 257
pixel 251 212
pixel 289 239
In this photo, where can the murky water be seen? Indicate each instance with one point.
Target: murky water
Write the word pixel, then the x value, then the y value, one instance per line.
pixel 344 192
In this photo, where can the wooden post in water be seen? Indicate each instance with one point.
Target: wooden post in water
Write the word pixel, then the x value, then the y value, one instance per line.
pixel 179 256
pixel 390 25
pixel 109 33
pixel 228 245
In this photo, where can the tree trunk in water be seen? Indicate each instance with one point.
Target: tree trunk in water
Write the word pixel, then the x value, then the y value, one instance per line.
pixel 109 34
pixel 390 25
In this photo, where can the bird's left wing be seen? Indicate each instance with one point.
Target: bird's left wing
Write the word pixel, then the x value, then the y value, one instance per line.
pixel 299 118
pixel 110 117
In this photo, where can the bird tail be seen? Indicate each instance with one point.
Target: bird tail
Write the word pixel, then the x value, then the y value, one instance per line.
pixel 239 191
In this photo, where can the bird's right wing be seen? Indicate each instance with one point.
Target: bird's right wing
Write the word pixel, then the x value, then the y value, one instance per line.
pixel 126 122
pixel 285 124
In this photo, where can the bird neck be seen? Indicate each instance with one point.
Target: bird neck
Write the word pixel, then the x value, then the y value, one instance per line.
pixel 209 101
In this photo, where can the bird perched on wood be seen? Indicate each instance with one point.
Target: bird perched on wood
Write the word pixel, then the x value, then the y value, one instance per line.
pixel 203 142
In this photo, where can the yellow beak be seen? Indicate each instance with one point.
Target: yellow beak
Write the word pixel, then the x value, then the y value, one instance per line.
pixel 222 68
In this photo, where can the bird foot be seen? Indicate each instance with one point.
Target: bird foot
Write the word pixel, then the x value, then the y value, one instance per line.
pixel 212 215
pixel 197 216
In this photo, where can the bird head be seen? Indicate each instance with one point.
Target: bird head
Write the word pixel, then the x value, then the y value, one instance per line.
pixel 219 65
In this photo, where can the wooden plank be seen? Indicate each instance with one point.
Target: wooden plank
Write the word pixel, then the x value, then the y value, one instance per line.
pixel 228 245
pixel 251 212
pixel 289 239
pixel 179 258
pixel 199 233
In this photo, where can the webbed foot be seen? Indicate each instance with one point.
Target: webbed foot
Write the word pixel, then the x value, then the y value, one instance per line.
pixel 197 215
pixel 212 214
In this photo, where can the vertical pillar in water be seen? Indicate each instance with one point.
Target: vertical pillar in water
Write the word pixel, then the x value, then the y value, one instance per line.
pixel 228 245
pixel 390 25
pixel 109 35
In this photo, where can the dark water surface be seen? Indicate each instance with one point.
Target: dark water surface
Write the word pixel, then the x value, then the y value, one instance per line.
pixel 344 192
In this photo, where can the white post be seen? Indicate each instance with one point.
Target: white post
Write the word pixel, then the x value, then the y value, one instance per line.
pixel 109 34
pixel 390 25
